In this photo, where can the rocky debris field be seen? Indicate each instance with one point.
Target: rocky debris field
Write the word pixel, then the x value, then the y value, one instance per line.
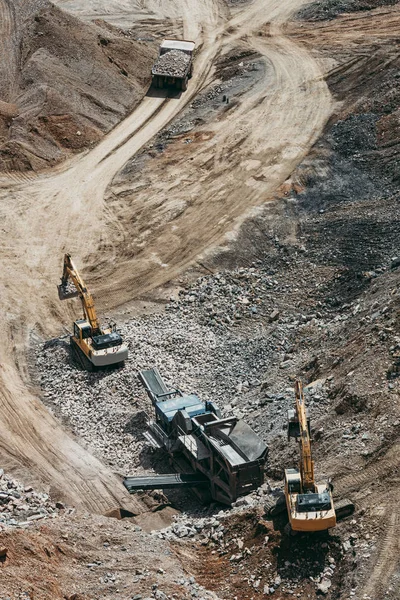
pixel 330 9
pixel 242 555
pixel 82 557
pixel 254 556
pixel 188 354
pixel 173 63
pixel 308 289
pixel 239 337
pixel 21 506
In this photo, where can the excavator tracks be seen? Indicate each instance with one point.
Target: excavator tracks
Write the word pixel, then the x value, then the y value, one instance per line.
pixel 79 358
pixel 275 506
pixel 344 508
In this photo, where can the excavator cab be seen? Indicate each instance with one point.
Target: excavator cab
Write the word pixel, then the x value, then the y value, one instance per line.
pixel 82 330
pixel 106 340
pixel 314 502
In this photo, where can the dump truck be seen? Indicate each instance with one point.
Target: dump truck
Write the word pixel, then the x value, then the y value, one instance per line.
pixel 93 347
pixel 223 454
pixel 174 65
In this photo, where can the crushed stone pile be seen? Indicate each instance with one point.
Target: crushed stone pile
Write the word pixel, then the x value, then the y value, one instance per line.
pixel 173 63
pixel 21 506
pixel 223 338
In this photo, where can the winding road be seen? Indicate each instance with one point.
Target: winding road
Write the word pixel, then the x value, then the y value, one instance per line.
pixel 243 158
pixel 252 151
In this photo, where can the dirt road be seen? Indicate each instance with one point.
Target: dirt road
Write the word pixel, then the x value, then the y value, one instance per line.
pixel 251 152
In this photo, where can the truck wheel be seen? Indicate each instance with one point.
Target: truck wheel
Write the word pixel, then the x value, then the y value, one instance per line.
pixel 184 84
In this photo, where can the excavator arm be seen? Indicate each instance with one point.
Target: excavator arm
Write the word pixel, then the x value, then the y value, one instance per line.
pixel 306 462
pixel 71 273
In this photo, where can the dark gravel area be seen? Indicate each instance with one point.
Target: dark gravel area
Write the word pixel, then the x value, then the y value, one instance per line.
pixel 329 9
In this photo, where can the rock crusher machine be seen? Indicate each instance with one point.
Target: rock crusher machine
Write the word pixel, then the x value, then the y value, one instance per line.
pixel 223 454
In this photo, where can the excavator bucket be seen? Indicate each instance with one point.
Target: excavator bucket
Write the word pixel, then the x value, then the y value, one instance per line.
pixel 293 423
pixel 67 291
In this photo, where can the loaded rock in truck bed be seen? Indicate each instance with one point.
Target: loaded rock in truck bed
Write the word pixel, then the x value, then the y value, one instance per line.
pixel 172 64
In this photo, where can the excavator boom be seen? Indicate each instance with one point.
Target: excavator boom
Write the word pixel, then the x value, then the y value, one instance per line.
pixel 70 273
pixel 309 504
pixel 306 462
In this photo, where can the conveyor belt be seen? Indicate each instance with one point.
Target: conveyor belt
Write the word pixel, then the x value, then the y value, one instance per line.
pixel 163 482
pixel 154 385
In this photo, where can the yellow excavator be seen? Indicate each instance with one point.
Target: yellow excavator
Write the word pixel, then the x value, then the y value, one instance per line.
pixel 92 347
pixel 309 505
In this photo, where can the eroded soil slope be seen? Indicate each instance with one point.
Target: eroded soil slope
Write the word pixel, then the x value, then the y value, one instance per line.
pixel 66 84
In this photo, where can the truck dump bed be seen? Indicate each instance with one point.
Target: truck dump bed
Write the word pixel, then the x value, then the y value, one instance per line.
pixel 174 63
pixel 184 45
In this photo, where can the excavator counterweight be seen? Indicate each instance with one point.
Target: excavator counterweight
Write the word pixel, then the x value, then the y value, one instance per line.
pixel 92 347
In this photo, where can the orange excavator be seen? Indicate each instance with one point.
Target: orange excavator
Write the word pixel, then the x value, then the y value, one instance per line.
pixel 309 505
pixel 92 347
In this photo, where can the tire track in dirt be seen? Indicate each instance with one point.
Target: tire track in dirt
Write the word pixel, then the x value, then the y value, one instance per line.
pixel 250 152
pixel 387 561
pixel 383 469
pixel 8 51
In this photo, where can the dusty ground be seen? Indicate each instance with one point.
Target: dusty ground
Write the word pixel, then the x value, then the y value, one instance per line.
pixel 297 81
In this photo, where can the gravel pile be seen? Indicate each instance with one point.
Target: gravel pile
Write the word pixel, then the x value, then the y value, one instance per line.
pixel 224 339
pixel 230 295
pixel 173 63
pixel 330 9
pixel 20 505
pixel 105 409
